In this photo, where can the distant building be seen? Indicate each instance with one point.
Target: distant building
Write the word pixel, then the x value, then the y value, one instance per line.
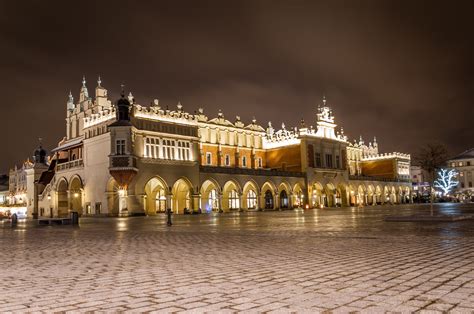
pixel 124 158
pixel 420 183
pixel 464 164
pixel 3 189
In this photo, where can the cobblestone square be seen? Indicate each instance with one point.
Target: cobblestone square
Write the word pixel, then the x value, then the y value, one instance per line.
pixel 335 260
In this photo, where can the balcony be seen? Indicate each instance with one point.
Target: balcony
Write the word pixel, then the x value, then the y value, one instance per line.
pixel 70 165
pixel 123 162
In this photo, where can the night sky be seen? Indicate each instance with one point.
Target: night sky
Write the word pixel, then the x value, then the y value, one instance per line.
pixel 402 71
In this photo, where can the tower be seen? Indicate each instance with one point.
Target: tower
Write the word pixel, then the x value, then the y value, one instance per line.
pixel 325 121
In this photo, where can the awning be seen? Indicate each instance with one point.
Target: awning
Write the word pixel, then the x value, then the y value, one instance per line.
pixel 69 144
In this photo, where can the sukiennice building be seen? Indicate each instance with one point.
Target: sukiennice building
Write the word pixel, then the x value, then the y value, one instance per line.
pixel 122 158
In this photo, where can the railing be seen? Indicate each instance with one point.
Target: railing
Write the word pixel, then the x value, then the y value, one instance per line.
pixel 70 164
pixel 254 172
pixel 369 178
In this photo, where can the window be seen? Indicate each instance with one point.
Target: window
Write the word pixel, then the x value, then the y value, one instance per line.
pixel 260 163
pixel 460 164
pixel 462 185
pixel 251 200
pixel 318 160
pixel 244 161
pixel 453 164
pixel 213 201
pixel 329 160
pixel 227 160
pixel 468 163
pixel 338 163
pixel 470 184
pixel 120 147
pixel 208 158
pixel 233 200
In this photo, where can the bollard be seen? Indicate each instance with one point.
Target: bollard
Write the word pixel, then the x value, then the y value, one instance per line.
pixel 74 218
pixel 14 219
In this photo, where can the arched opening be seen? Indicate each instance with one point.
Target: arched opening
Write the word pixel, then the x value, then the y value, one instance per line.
pixel 156 196
pixel 250 196
pixel 63 203
pixel 75 194
pixel 298 196
pixel 181 192
pixel 378 195
pixel 318 195
pixel 231 196
pixel 112 198
pixel 284 203
pixel 210 193
pixel 268 199
pixel 371 198
pixel 331 195
pixel 352 196
pixel 341 195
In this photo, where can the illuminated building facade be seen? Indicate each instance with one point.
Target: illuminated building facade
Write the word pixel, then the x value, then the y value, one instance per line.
pixel 464 165
pixel 124 158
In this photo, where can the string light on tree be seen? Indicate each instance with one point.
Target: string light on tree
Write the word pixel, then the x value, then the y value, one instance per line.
pixel 446 180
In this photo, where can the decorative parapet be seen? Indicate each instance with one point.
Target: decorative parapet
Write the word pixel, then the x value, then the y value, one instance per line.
pixel 155 112
pixel 97 118
pixel 387 156
pixel 70 164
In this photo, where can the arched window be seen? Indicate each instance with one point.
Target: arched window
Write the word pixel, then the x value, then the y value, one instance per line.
pixel 251 200
pixel 233 200
pixel 227 160
pixel 244 161
pixel 208 158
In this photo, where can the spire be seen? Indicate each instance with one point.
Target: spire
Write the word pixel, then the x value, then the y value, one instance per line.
pixel 84 93
pixel 99 81
pixel 324 100
pixel 70 102
pixel 122 90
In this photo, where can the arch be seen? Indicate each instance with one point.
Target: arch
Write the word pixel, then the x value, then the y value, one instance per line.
pixel 331 194
pixel 210 196
pixel 112 197
pixel 231 193
pixel 361 195
pixel 378 194
pixel 181 196
pixel 62 197
pixel 156 192
pixel 76 190
pixel 250 195
pixel 318 195
pixel 342 194
pixel 284 200
pixel 371 197
pixel 298 196
pixel 268 194
pixel 352 195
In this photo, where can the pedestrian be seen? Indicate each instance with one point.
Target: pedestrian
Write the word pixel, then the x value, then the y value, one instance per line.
pixel 169 223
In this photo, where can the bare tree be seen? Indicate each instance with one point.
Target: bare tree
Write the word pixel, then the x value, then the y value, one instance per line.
pixel 431 158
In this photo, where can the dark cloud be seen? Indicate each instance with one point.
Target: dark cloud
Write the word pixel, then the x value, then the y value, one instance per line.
pixel 400 70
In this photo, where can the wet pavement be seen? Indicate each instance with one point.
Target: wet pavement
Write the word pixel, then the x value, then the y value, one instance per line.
pixel 337 260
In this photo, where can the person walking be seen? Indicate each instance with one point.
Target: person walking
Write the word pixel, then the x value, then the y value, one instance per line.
pixel 169 223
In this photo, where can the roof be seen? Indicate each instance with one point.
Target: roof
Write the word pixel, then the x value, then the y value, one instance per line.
pixel 69 144
pixel 468 154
